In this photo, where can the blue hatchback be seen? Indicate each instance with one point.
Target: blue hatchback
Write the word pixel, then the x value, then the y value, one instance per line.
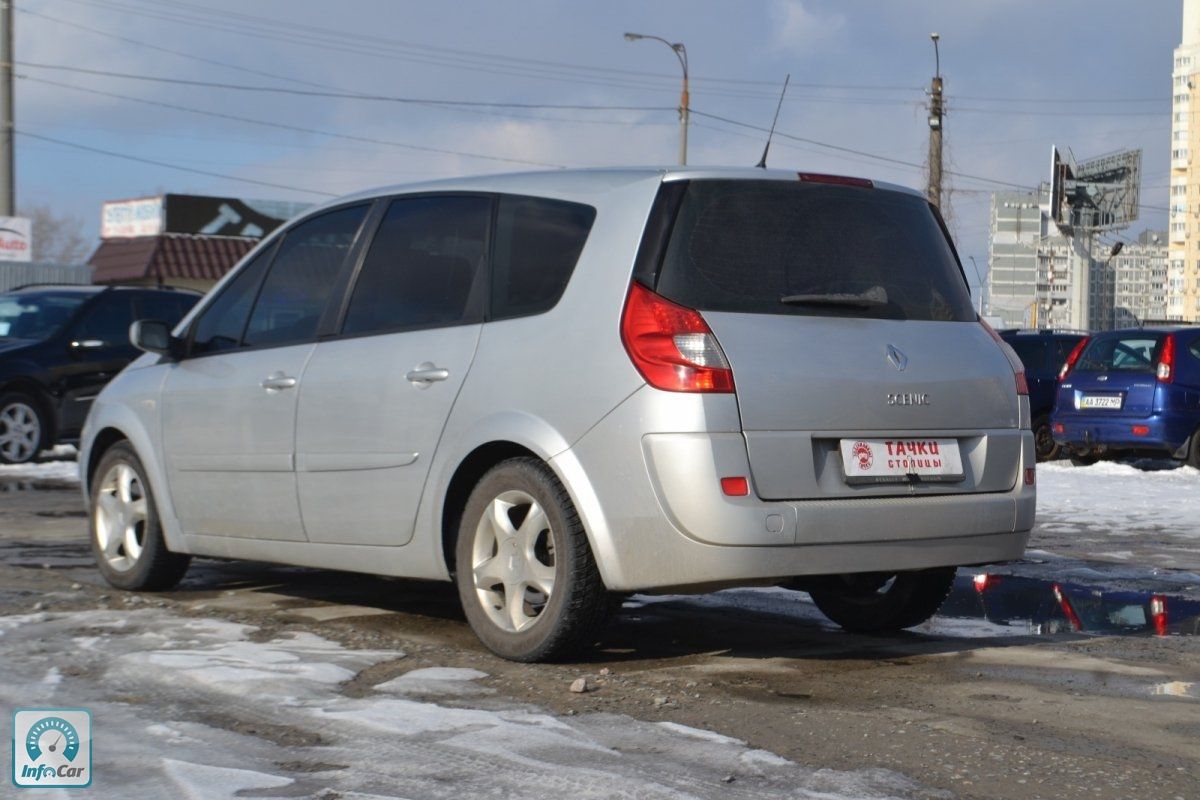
pixel 1131 392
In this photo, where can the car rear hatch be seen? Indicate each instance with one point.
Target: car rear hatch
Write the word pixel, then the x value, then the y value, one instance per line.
pixel 1114 376
pixel 848 325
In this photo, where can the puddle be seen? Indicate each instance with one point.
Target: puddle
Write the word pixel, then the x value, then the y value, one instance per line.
pixel 1043 606
pixel 1177 689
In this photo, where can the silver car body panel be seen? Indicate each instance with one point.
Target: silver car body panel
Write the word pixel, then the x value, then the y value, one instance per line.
pixel 641 465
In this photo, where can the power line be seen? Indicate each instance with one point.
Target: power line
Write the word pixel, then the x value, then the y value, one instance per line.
pixel 141 160
pixel 287 127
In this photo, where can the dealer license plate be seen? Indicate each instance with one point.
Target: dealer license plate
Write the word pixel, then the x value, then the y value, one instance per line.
pixel 1112 401
pixel 901 460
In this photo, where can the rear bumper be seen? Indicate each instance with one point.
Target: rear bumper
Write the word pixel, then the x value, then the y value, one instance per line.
pixel 657 518
pixel 1167 432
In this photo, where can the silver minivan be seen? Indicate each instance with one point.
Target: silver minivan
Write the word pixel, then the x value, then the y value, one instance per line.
pixel 557 388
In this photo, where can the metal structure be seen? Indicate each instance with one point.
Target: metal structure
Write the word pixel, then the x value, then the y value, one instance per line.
pixel 8 183
pixel 684 100
pixel 937 110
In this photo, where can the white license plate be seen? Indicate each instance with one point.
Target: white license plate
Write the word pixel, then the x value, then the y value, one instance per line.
pixel 1101 401
pixel 901 460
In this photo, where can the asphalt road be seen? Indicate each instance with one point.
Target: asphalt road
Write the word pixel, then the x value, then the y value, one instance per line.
pixel 963 710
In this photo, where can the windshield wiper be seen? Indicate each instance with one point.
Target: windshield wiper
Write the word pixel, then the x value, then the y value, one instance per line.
pixel 875 297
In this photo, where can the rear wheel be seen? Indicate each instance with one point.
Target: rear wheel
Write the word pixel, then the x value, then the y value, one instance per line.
pixel 1043 439
pixel 525 572
pixel 882 603
pixel 127 538
pixel 1083 458
pixel 1193 455
pixel 22 428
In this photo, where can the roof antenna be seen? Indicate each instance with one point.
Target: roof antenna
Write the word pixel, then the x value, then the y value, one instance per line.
pixel 762 162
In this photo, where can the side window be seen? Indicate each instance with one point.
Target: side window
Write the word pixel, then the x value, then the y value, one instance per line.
pixel 168 307
pixel 1031 350
pixel 423 266
pixel 220 325
pixel 107 320
pixel 537 243
pixel 294 295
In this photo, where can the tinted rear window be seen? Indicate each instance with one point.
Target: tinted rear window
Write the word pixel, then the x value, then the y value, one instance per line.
pixel 1136 352
pixel 743 245
pixel 1030 349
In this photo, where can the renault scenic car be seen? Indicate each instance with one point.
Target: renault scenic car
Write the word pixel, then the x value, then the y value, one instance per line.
pixel 557 388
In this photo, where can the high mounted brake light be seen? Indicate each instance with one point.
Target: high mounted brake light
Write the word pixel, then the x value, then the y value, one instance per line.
pixel 1069 364
pixel 672 346
pixel 837 180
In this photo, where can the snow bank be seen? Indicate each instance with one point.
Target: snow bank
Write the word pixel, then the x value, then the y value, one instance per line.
pixel 1119 497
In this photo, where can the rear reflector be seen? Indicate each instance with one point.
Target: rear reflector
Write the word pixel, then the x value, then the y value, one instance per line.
pixel 837 180
pixel 1141 430
pixel 1030 476
pixel 1013 361
pixel 735 487
pixel 1158 613
pixel 1069 364
pixel 1058 427
pixel 672 346
pixel 1166 360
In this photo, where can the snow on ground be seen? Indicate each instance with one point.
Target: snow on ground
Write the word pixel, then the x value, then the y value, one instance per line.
pixel 55 465
pixel 205 709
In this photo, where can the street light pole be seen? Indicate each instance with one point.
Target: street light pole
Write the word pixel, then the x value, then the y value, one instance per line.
pixel 936 111
pixel 684 101
pixel 8 202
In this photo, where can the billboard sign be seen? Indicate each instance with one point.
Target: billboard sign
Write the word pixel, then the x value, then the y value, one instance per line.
pixel 16 239
pixel 195 214
pixel 127 219
pixel 1099 194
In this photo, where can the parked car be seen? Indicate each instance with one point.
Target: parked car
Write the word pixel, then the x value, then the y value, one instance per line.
pixel 59 345
pixel 553 387
pixel 1043 352
pixel 1131 392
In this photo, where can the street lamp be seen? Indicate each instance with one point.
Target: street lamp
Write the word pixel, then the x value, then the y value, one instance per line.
pixel 680 53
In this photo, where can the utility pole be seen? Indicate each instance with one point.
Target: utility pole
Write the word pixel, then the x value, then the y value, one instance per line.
pixel 8 194
pixel 936 110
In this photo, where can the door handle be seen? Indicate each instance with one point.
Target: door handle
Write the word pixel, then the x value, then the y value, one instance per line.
pixel 277 381
pixel 426 374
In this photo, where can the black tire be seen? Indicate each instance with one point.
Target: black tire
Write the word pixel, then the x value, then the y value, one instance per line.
pixel 1043 440
pixel 578 604
pixel 872 604
pixel 21 409
pixel 1083 459
pixel 153 569
pixel 1193 454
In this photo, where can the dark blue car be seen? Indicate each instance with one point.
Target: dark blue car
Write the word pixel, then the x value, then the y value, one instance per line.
pixel 1043 352
pixel 1131 392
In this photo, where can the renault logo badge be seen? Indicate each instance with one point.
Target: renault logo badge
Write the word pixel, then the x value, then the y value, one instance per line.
pixel 898 359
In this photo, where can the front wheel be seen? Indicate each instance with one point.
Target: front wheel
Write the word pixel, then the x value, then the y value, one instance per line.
pixel 127 538
pixel 525 572
pixel 881 603
pixel 1043 440
pixel 22 428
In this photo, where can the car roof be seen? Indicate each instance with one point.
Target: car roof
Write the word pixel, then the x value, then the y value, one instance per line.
pixel 579 184
pixel 91 288
pixel 1155 329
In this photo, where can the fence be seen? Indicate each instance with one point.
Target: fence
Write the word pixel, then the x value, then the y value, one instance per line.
pixel 13 275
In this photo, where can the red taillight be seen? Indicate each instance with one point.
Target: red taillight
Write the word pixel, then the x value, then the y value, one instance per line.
pixel 1166 360
pixel 1069 364
pixel 1018 367
pixel 837 180
pixel 1158 613
pixel 735 487
pixel 1141 430
pixel 672 346
pixel 1030 476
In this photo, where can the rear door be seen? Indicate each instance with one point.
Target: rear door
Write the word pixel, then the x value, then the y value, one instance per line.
pixel 376 398
pixel 98 348
pixel 229 408
pixel 844 315
pixel 1114 376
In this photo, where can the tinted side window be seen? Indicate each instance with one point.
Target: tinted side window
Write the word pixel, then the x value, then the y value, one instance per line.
pixel 294 294
pixel 220 325
pixel 107 320
pixel 168 307
pixel 422 266
pixel 537 244
pixel 1063 348
pixel 1031 350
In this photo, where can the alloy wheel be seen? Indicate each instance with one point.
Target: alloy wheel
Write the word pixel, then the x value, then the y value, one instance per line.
pixel 121 517
pixel 20 431
pixel 512 560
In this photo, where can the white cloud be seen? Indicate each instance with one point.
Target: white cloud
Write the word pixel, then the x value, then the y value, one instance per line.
pixel 800 28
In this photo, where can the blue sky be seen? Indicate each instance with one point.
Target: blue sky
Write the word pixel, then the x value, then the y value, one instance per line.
pixel 858 70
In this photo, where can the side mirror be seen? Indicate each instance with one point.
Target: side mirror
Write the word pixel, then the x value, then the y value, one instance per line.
pixel 153 336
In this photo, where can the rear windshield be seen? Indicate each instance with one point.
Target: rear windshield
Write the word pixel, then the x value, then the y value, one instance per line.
pixel 744 246
pixel 1134 352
